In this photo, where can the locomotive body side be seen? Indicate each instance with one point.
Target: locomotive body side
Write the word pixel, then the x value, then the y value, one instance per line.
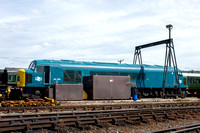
pixel 42 74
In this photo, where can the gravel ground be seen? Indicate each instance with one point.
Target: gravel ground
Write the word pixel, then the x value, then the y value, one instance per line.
pixel 151 126
pixel 140 101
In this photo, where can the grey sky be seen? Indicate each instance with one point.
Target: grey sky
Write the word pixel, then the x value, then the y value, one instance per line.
pixel 101 30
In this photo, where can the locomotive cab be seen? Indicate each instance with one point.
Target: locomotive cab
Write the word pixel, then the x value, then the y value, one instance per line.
pixel 33 80
pixel 34 76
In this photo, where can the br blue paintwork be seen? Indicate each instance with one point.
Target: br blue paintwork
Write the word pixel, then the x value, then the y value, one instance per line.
pixel 148 76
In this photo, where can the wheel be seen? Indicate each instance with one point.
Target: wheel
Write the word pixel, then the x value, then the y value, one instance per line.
pixel 182 94
pixel 155 93
pixel 161 94
pixel 145 93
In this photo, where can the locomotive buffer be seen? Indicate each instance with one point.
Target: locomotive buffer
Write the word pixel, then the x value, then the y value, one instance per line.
pixel 169 56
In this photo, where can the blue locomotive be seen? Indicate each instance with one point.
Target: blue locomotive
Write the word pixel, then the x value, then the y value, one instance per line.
pixel 42 74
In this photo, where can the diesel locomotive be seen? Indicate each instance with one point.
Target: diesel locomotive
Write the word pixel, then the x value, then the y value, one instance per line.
pixel 43 74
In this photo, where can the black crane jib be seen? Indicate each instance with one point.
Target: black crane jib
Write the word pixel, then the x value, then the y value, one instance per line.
pixel 167 41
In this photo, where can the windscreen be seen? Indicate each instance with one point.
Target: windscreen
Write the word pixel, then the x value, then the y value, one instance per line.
pixel 32 65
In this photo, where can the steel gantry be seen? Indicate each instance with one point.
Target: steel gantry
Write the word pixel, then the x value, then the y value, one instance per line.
pixel 170 58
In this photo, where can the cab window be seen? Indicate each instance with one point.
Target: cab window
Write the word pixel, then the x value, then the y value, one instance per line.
pixel 28 78
pixel 12 78
pixel 40 69
pixel 32 65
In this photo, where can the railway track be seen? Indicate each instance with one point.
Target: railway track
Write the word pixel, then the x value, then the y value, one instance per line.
pixel 195 128
pixel 7 110
pixel 52 121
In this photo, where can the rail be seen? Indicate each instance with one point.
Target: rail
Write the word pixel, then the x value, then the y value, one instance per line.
pixel 182 129
pixel 53 121
pixel 7 110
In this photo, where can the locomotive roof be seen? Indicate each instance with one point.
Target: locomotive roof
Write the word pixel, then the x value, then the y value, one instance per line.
pixel 12 69
pixel 73 62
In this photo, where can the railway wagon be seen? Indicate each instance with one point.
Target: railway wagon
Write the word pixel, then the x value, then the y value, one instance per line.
pixel 193 83
pixel 8 83
pixel 43 74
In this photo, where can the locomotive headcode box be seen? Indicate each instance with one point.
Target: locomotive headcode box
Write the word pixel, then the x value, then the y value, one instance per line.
pixel 107 87
pixel 63 92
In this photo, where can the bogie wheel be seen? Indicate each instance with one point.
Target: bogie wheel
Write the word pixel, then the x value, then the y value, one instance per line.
pixel 155 93
pixel 161 94
pixel 182 94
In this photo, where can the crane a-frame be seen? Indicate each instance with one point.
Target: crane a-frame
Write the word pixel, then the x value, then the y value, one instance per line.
pixel 170 58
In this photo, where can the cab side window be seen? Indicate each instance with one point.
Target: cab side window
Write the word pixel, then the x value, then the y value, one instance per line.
pixel 40 69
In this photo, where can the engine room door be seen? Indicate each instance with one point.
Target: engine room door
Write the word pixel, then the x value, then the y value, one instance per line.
pixel 46 74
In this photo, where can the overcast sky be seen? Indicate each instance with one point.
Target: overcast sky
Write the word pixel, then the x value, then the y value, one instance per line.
pixel 98 30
